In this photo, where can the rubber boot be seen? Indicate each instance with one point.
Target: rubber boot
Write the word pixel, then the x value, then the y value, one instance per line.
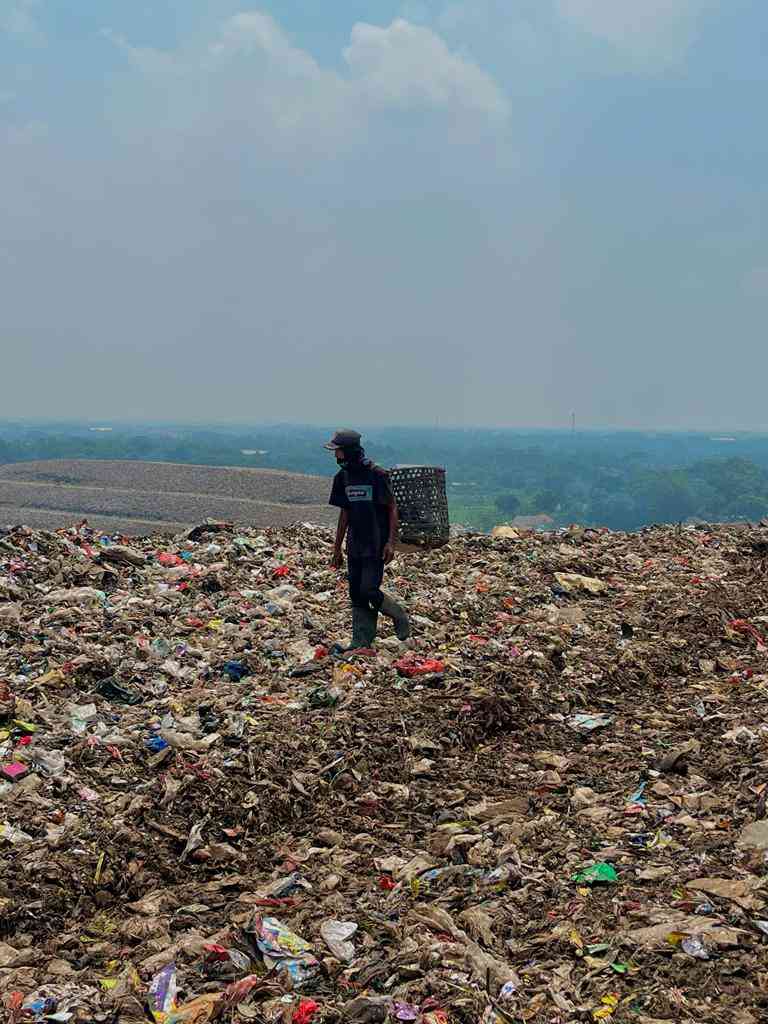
pixel 364 622
pixel 399 616
pixel 372 625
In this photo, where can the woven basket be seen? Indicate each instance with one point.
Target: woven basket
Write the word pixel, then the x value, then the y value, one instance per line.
pixel 422 505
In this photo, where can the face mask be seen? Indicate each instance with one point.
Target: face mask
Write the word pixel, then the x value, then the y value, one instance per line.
pixel 349 458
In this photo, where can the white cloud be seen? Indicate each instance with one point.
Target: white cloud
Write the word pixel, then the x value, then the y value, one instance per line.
pixel 269 211
pixel 544 39
pixel 252 76
pixel 145 58
pixel 640 29
pixel 255 34
pixel 410 66
pixel 252 37
pixel 403 65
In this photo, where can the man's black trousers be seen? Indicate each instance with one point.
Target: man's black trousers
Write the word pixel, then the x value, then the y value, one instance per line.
pixel 365 576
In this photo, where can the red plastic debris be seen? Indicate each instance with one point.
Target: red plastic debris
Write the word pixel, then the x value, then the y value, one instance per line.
pixel 240 990
pixel 216 952
pixel 746 628
pixel 410 666
pixel 305 1011
pixel 166 558
pixel 14 771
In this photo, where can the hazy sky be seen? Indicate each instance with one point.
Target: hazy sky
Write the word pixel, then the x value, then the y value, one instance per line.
pixel 477 211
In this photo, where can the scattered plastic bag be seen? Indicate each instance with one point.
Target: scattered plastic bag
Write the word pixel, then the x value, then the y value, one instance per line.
pixel 589 723
pixel 571 581
pixel 596 873
pixel 336 936
pixel 118 694
pixel 162 995
pixel 693 946
pixel 284 951
pixel 14 836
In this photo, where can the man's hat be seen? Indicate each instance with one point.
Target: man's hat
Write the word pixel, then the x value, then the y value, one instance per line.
pixel 344 439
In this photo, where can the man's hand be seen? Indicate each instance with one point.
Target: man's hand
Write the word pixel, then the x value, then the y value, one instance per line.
pixel 389 553
pixel 338 558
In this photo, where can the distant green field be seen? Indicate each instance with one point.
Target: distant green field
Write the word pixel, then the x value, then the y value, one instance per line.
pixel 479 515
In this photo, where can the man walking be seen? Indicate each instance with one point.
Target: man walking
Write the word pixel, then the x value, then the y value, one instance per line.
pixel 368 519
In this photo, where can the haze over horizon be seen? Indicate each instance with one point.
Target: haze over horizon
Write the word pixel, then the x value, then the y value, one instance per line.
pixel 455 211
pixel 119 425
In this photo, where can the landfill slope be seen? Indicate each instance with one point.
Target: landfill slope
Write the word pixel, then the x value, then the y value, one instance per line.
pixel 140 497
pixel 549 806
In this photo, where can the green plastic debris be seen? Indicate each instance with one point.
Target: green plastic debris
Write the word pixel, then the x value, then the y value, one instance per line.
pixel 596 873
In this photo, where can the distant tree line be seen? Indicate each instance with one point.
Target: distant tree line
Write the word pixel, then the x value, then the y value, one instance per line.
pixel 617 479
pixel 716 489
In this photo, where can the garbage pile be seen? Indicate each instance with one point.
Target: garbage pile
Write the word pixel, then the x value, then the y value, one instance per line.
pixel 548 806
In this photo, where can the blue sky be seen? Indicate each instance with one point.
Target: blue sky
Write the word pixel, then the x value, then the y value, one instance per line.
pixel 478 211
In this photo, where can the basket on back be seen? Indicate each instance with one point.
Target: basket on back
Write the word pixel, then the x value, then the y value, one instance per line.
pixel 422 505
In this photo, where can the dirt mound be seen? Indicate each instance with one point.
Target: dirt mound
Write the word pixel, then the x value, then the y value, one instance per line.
pixel 549 806
pixel 139 497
